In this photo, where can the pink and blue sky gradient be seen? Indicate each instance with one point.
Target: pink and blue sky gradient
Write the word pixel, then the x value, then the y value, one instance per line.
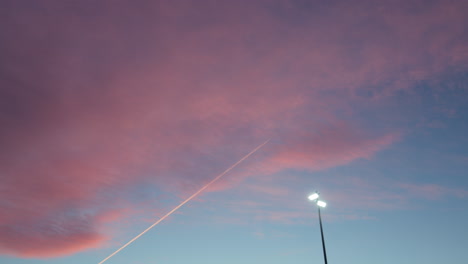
pixel 112 112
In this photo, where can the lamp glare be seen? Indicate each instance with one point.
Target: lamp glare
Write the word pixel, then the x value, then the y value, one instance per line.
pixel 313 196
pixel 321 203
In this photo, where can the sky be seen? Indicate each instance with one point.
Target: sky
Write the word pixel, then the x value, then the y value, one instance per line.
pixel 113 112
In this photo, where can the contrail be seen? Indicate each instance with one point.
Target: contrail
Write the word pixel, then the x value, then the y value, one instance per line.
pixel 184 202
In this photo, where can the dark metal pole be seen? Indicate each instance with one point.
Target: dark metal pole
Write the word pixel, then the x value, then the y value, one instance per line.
pixel 323 240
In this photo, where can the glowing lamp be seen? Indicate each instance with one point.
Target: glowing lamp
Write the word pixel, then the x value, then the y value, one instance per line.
pixel 321 203
pixel 313 196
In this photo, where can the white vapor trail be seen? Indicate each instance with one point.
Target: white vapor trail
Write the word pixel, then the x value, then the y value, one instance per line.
pixel 186 201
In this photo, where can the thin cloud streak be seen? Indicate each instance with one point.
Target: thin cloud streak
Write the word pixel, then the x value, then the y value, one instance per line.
pixel 186 200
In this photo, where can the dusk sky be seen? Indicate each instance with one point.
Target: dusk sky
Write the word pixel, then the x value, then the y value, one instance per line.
pixel 113 112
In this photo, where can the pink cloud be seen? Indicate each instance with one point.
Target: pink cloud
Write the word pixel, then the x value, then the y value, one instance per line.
pixel 349 198
pixel 63 236
pixel 432 191
pixel 274 191
pixel 40 246
pixel 325 147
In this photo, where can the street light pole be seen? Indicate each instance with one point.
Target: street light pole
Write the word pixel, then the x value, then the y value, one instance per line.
pixel 323 240
pixel 314 197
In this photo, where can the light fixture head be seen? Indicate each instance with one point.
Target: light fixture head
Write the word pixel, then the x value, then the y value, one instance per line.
pixel 313 196
pixel 321 203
